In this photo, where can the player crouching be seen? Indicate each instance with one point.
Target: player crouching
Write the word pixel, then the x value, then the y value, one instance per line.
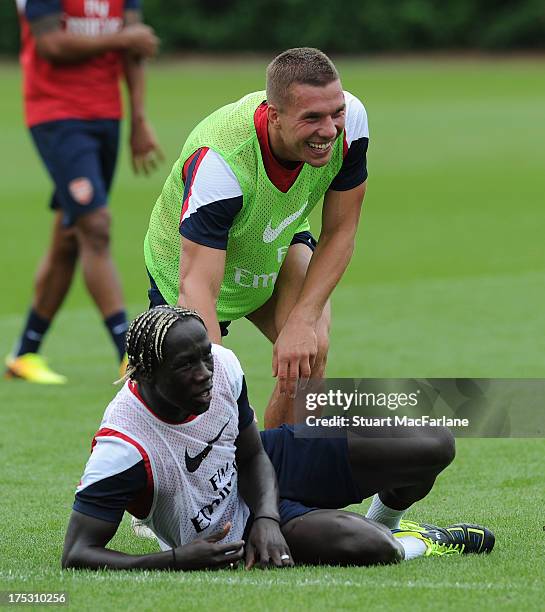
pixel 186 458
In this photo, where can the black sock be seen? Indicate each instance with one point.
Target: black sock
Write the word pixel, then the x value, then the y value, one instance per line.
pixel 117 326
pixel 33 333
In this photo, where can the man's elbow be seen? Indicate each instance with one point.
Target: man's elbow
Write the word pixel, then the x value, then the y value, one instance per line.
pixel 340 238
pixel 67 561
pixel 72 558
pixel 193 291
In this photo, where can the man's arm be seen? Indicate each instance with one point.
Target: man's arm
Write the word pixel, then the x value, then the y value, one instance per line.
pixel 259 489
pixel 145 150
pixel 295 347
pixel 87 537
pixel 201 274
pixel 211 201
pixel 60 46
pixel 101 500
pixel 85 547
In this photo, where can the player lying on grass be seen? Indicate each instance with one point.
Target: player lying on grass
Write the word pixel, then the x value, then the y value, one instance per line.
pixel 185 455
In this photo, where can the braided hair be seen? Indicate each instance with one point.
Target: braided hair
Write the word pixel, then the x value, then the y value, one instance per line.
pixel 146 336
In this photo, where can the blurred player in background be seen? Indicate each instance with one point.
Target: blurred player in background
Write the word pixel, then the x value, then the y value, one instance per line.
pixel 240 195
pixel 73 53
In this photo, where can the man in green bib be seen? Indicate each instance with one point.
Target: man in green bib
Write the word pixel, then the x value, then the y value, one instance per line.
pixel 229 235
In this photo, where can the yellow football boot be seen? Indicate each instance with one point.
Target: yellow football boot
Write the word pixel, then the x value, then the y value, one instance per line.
pixel 32 368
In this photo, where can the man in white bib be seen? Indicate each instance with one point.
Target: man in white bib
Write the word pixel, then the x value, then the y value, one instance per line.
pixel 185 457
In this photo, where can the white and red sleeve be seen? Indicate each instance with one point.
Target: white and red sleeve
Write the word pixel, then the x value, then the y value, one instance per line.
pixel 212 199
pixel 117 477
pixel 353 172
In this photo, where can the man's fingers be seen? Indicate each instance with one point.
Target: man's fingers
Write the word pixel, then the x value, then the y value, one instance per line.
pixel 150 162
pixel 159 153
pixel 281 556
pixel 274 364
pixel 288 562
pixel 286 558
pixel 276 560
pixel 305 367
pixel 140 163
pixel 264 559
pixel 146 166
pixel 293 377
pixel 281 559
pixel 230 547
pixel 151 159
pixel 282 368
pixel 219 535
pixel 250 557
pixel 224 559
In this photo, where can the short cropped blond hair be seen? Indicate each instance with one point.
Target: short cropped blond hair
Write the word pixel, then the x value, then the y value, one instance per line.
pixel 300 65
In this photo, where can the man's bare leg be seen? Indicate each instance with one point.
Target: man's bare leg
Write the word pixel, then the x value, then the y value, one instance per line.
pixel 337 537
pixel 271 317
pixel 99 272
pixel 55 271
pixel 100 275
pixel 52 282
pixel 402 465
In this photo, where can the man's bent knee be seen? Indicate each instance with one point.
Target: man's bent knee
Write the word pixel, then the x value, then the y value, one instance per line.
pixel 319 366
pixel 448 446
pixel 65 246
pixel 359 542
pixel 439 448
pixel 318 369
pixel 93 231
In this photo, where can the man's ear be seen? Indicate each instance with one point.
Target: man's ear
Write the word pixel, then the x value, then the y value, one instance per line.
pixel 146 378
pixel 273 116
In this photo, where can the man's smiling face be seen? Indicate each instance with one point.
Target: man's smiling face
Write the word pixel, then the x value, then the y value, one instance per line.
pixel 306 126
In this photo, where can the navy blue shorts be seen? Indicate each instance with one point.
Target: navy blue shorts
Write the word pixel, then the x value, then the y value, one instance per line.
pixel 157 299
pixel 312 473
pixel 304 238
pixel 80 157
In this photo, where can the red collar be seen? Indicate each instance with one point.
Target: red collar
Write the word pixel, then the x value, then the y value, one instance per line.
pixel 280 176
pixel 133 388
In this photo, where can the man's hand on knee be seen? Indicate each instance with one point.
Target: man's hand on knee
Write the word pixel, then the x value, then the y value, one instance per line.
pixel 294 354
pixel 266 546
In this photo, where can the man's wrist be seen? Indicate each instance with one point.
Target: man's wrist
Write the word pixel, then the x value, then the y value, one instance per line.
pixel 138 118
pixel 269 517
pixel 267 510
pixel 117 41
pixel 304 315
pixel 166 560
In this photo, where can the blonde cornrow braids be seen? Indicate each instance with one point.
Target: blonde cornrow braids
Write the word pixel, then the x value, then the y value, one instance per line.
pixel 145 338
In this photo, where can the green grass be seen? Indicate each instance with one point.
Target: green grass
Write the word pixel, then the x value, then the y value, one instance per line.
pixel 447 280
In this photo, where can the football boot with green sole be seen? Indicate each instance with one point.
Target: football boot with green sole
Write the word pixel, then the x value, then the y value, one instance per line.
pixel 458 539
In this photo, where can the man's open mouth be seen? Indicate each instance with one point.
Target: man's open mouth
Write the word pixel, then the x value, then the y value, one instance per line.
pixel 204 394
pixel 320 146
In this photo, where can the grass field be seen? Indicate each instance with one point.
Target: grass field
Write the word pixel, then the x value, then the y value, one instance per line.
pixel 447 280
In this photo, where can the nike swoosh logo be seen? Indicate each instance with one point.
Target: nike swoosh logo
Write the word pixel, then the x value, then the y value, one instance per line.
pixel 194 463
pixel 119 329
pixel 270 234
